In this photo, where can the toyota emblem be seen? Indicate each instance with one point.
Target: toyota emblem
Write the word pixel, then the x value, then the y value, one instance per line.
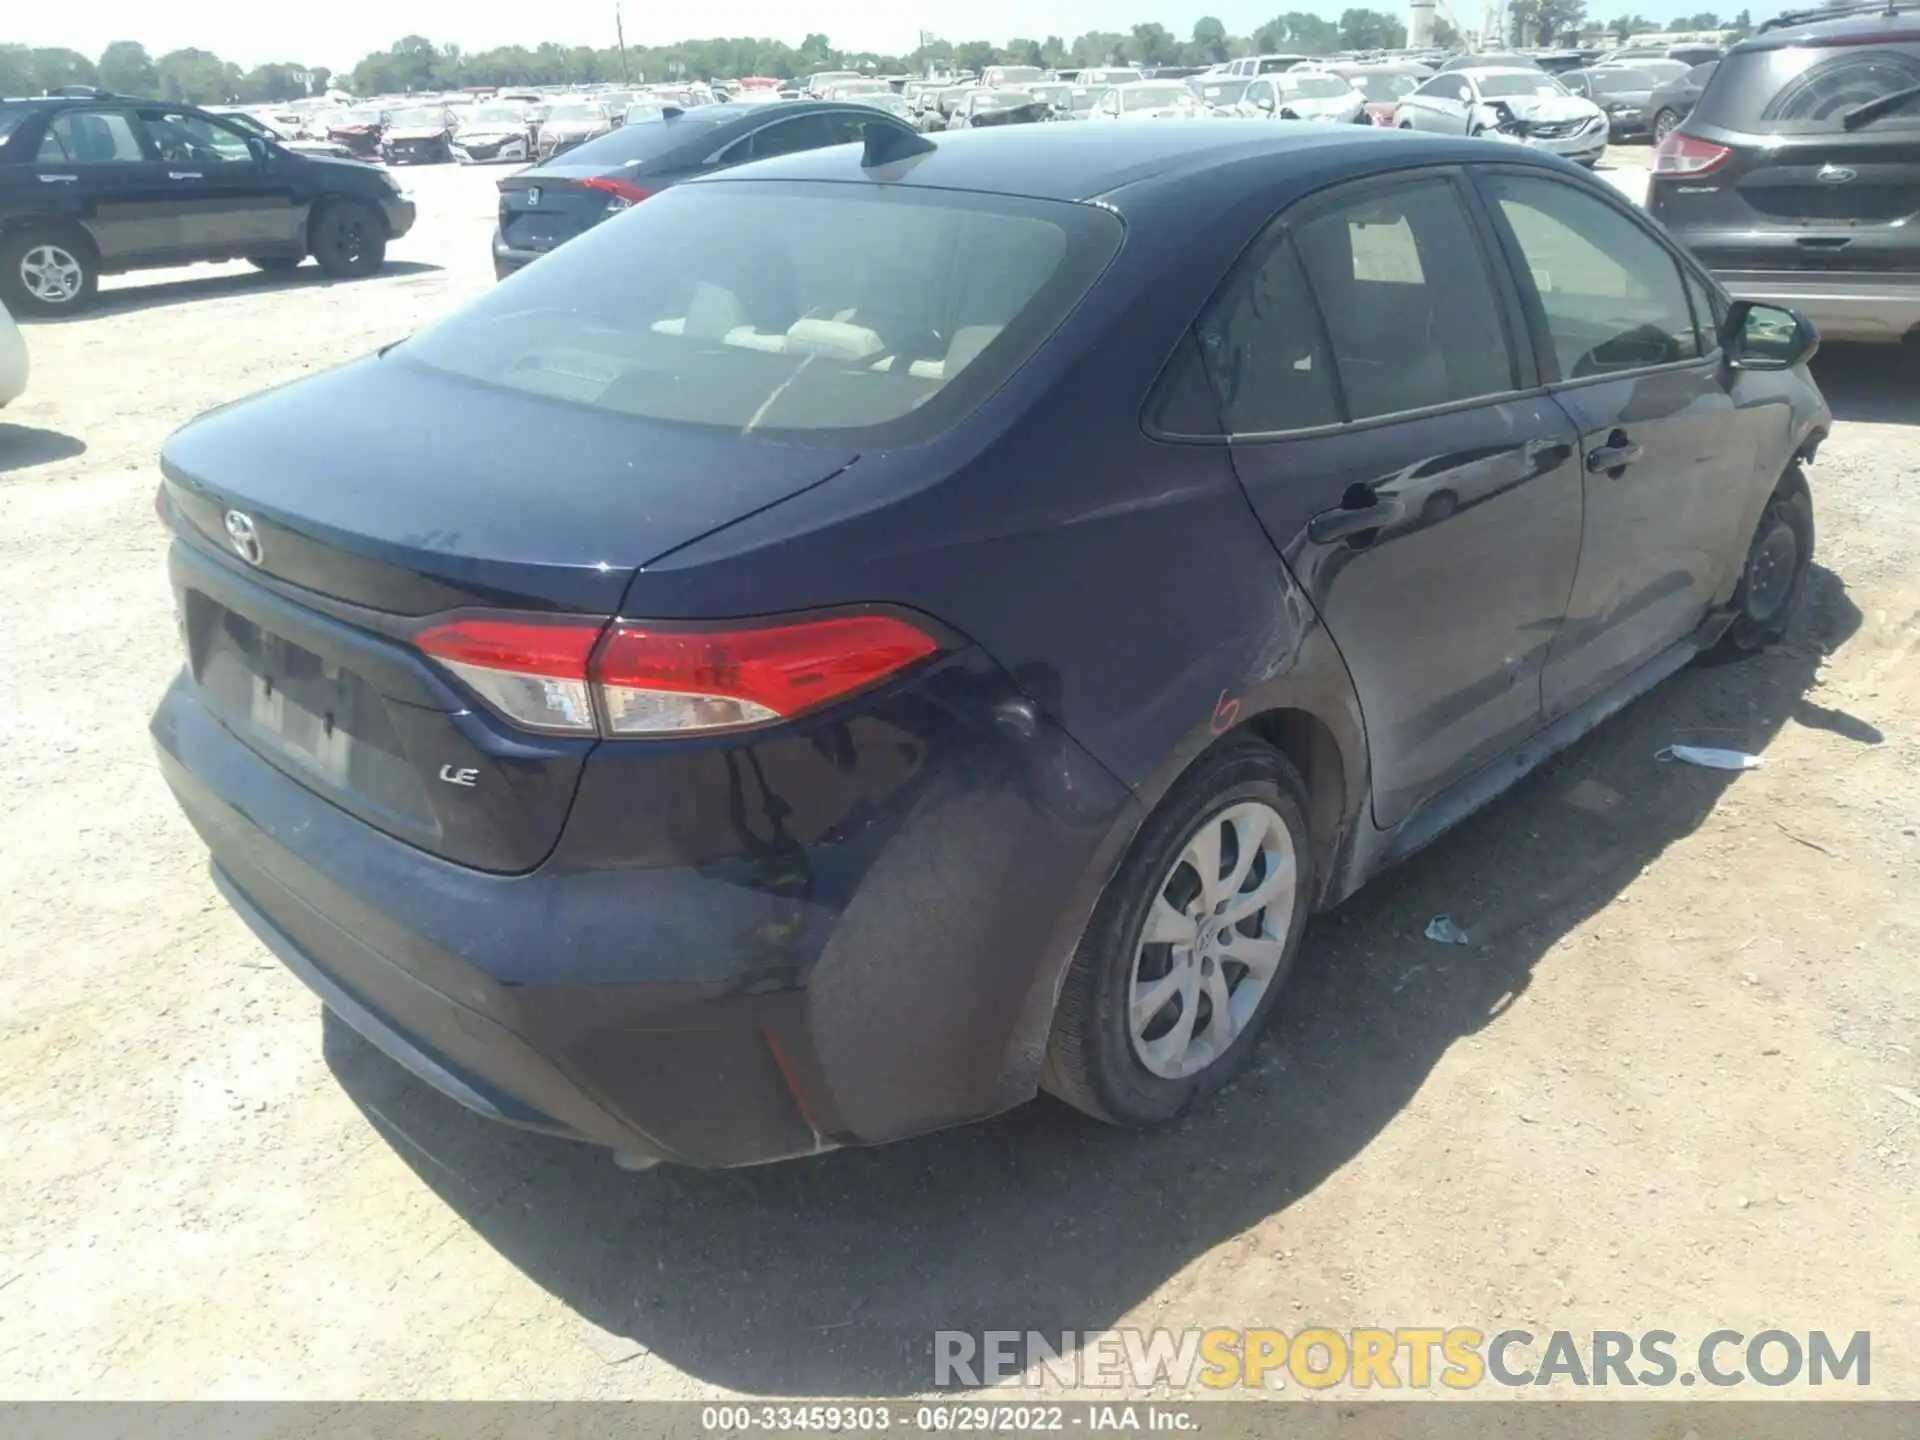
pixel 1835 174
pixel 245 538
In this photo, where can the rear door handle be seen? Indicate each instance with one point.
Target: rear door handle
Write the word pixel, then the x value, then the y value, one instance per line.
pixel 1611 459
pixel 1331 525
pixel 185 175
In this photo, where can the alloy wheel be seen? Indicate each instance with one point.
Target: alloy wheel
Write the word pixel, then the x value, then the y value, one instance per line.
pixel 1212 941
pixel 51 274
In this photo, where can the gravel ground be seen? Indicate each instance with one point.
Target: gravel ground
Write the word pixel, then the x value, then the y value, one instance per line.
pixel 1662 1088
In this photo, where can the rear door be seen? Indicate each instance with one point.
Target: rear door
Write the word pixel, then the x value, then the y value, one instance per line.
pixel 117 187
pixel 1663 453
pixel 1797 190
pixel 230 197
pixel 1383 428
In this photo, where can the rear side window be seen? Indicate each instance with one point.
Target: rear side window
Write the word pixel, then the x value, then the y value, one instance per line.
pixel 796 311
pixel 1612 297
pixel 1372 308
pixel 1807 89
pixel 90 137
pixel 1409 305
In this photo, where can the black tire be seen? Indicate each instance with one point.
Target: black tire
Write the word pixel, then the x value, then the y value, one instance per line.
pixel 1663 122
pixel 349 239
pixel 1091 1060
pixel 1773 581
pixel 40 246
pixel 276 264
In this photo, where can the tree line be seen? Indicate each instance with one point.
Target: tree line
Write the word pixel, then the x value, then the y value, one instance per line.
pixel 415 63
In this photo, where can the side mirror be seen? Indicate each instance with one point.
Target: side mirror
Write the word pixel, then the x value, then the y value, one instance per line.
pixel 1265 102
pixel 1767 337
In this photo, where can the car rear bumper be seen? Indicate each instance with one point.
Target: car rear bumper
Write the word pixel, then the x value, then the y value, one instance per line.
pixel 1847 308
pixel 853 974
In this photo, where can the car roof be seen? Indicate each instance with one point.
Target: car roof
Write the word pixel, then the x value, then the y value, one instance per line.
pixel 1097 162
pixel 1482 72
pixel 1901 25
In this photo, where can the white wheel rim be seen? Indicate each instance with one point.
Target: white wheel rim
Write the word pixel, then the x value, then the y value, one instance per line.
pixel 51 274
pixel 1213 940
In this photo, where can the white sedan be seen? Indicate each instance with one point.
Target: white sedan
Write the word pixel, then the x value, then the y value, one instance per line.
pixel 13 359
pixel 1303 95
pixel 1528 106
pixel 1147 100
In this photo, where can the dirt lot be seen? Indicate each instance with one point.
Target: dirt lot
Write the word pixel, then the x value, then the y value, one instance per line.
pixel 1657 1090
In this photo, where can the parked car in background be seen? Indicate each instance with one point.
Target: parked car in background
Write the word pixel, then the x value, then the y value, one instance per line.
pixel 1687 55
pixel 419 135
pixel 1490 60
pixel 1057 94
pixel 83 180
pixel 569 125
pixel 1219 94
pixel 1620 93
pixel 14 368
pixel 1796 179
pixel 1673 101
pixel 1381 87
pixel 978 105
pixel 890 104
pixel 1147 100
pixel 818 83
pixel 287 139
pixel 1247 66
pixel 494 133
pixel 1658 70
pixel 891 795
pixel 1011 77
pixel 1524 105
pixel 359 129
pixel 1304 95
pixel 548 204
pixel 1097 77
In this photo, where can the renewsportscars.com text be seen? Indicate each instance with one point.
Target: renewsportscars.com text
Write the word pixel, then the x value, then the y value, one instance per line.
pixel 1404 1357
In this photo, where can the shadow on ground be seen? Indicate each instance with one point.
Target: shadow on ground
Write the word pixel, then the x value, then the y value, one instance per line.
pixel 1870 384
pixel 828 1276
pixel 124 299
pixel 23 446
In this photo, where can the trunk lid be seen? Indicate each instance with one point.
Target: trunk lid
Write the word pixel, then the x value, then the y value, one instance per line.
pixel 409 491
pixel 548 206
pixel 320 522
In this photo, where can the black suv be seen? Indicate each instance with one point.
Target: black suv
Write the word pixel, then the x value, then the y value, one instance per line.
pixel 1796 179
pixel 96 184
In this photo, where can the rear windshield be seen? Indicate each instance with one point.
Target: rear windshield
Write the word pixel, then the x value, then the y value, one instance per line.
pixel 1316 87
pixel 1617 82
pixel 647 137
pixel 1157 97
pixel 806 312
pixel 1503 87
pixel 1376 85
pixel 1221 92
pixel 1806 89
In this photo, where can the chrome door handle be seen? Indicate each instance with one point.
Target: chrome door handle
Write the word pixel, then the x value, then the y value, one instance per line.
pixel 59 179
pixel 185 175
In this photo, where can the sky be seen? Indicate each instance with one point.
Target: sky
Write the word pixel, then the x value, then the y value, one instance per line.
pixel 339 35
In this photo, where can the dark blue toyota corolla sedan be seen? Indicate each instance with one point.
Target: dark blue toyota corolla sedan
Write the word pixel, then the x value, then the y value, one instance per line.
pixel 862 638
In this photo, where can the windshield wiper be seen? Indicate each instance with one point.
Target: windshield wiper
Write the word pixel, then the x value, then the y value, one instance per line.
pixel 1871 111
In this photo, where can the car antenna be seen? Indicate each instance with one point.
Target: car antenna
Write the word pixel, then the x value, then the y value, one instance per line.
pixel 888 144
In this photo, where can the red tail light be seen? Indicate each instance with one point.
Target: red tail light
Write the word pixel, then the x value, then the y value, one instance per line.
pixel 626 679
pixel 1683 155
pixel 624 193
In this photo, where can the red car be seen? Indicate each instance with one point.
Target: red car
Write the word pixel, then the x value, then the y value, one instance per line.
pixel 1383 85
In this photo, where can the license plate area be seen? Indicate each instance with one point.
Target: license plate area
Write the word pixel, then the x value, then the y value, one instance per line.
pixel 310 714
